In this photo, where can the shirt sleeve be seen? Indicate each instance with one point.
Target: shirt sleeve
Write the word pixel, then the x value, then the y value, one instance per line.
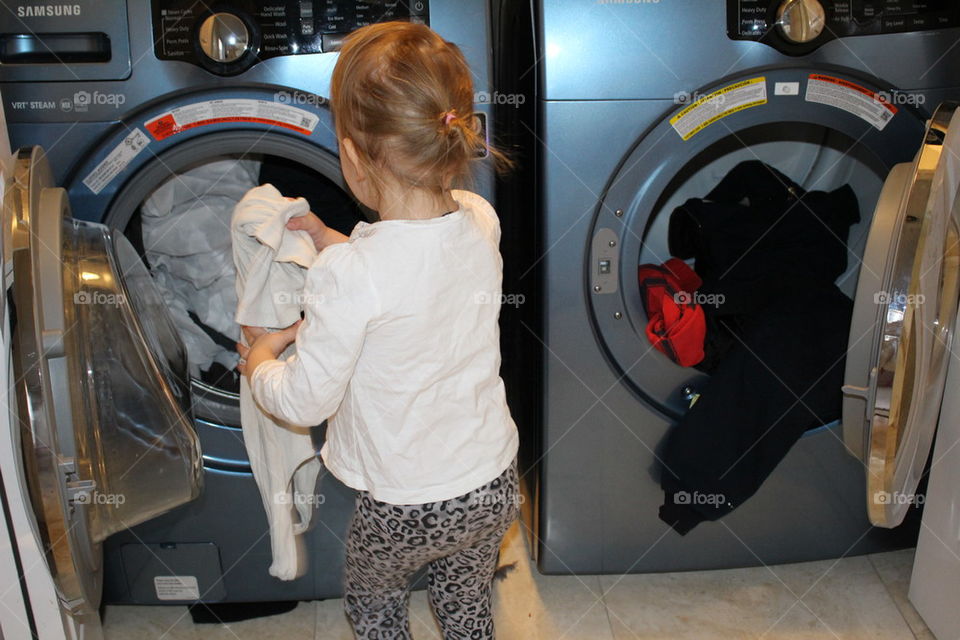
pixel 339 303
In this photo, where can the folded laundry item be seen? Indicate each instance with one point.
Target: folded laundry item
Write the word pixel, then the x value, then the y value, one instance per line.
pixel 271 263
pixel 676 325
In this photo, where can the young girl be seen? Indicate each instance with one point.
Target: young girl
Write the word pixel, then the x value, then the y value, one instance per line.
pixel 399 346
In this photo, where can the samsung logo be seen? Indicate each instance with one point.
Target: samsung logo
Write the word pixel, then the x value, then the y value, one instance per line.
pixel 47 10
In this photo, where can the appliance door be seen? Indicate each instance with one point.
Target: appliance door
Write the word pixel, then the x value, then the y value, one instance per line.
pixel 903 323
pixel 101 383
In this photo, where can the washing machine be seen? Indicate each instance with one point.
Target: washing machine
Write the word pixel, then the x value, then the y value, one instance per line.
pixel 643 105
pixel 118 98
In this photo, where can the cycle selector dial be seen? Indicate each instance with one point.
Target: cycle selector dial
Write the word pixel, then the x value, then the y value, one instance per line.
pixel 224 37
pixel 801 21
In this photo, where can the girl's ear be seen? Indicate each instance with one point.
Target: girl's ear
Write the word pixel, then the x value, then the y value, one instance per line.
pixel 350 150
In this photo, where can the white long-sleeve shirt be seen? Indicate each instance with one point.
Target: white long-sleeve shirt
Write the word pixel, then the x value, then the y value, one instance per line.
pixel 400 350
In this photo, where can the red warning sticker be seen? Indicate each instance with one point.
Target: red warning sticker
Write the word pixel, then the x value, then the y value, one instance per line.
pixel 209 112
pixel 850 97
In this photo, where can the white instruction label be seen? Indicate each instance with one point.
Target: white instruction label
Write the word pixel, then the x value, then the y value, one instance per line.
pixel 786 89
pixel 231 110
pixel 850 97
pixel 117 160
pixel 176 587
pixel 719 104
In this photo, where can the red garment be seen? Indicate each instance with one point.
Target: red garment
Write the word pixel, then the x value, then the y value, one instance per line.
pixel 677 326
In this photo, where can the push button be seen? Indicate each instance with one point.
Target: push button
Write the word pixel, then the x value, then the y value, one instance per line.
pixel 332 41
pixel 418 7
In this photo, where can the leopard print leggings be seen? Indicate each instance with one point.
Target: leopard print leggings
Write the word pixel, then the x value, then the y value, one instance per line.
pixel 459 541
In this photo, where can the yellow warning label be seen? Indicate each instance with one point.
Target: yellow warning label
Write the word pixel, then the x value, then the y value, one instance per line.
pixel 712 107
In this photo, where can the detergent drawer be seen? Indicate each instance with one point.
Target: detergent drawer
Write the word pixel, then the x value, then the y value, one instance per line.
pixel 69 42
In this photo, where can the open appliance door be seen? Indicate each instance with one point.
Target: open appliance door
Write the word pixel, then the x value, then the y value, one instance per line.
pixel 903 323
pixel 101 385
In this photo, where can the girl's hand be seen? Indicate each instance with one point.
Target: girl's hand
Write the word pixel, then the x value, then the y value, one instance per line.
pixel 244 352
pixel 264 346
pixel 252 333
pixel 322 235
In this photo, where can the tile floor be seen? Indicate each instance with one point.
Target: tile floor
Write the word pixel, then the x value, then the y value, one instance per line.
pixel 863 597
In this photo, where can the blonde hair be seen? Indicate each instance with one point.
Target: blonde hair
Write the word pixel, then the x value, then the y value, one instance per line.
pixel 404 96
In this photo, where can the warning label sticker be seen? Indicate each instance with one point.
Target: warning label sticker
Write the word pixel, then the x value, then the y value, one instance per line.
pixel 231 110
pixel 850 97
pixel 117 160
pixel 176 587
pixel 719 104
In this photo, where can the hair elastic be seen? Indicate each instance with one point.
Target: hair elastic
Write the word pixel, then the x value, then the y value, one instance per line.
pixel 449 116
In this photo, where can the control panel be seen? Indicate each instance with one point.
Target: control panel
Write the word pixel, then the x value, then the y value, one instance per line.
pixel 228 38
pixel 797 27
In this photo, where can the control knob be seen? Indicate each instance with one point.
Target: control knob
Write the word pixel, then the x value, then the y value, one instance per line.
pixel 224 37
pixel 801 21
